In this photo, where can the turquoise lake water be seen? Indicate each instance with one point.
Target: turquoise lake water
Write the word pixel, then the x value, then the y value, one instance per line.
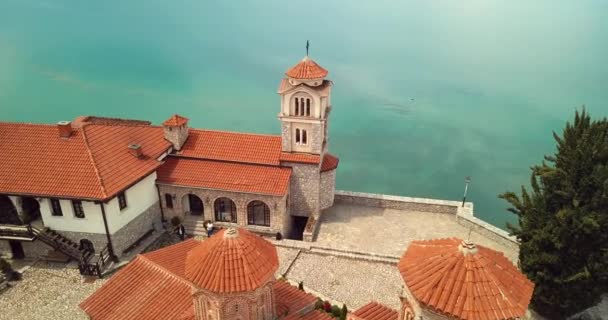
pixel 426 92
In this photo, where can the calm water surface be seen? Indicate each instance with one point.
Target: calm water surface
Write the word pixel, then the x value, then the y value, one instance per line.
pixel 426 92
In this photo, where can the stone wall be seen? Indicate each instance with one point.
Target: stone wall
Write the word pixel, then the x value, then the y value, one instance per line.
pixel 328 188
pixel 396 202
pixel 286 136
pixel 136 228
pixel 99 240
pixel 5 249
pixel 304 189
pixel 315 137
pixel 487 230
pixel 279 213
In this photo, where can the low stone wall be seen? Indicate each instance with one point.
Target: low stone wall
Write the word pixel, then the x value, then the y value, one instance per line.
pixel 136 228
pixel 5 249
pixel 487 230
pixel 396 202
pixel 464 215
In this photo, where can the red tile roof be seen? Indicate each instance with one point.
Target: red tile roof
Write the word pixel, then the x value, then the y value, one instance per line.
pixel 290 299
pixel 300 157
pixel 312 315
pixel 226 176
pixel 232 261
pixel 175 121
pixel 330 162
pixel 376 311
pixel 306 69
pixel 141 290
pixel 464 281
pixel 232 146
pixel 93 163
pixel 154 285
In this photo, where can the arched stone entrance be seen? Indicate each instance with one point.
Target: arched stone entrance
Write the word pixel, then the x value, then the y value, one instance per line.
pixel 8 212
pixel 193 205
pixel 225 210
pixel 258 213
pixel 31 209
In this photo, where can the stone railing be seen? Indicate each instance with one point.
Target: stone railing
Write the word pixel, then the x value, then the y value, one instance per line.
pixel 397 202
pixel 464 215
pixel 309 230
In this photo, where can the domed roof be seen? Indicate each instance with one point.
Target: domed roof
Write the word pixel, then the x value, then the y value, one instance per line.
pixel 306 69
pixel 465 281
pixel 231 261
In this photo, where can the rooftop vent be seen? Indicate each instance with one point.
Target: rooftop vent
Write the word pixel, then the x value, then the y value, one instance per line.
pixel 135 150
pixel 65 129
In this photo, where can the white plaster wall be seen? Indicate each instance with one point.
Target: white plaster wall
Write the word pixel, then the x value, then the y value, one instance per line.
pixel 91 223
pixel 139 198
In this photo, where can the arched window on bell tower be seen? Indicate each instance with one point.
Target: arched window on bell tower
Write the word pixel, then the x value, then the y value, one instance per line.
pixel 302 105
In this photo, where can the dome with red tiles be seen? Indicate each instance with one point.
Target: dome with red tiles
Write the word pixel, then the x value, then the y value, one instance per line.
pixel 306 69
pixel 232 260
pixel 464 281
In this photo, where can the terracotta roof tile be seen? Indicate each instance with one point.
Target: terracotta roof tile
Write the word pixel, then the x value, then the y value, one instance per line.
pixel 232 261
pixel 141 290
pixel 465 281
pixel 306 69
pixel 173 258
pixel 175 121
pixel 290 299
pixel 330 162
pixel 225 176
pixel 376 311
pixel 311 315
pixel 232 146
pixel 300 157
pixel 93 163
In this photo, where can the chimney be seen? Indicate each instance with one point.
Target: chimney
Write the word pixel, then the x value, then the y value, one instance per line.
pixel 65 129
pixel 135 150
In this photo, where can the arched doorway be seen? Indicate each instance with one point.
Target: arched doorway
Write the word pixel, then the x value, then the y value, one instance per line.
pixel 31 209
pixel 258 213
pixel 193 204
pixel 8 212
pixel 225 210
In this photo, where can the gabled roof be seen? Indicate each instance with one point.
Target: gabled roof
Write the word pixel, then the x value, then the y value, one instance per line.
pixel 93 163
pixel 232 260
pixel 465 281
pixel 175 121
pixel 306 69
pixel 232 146
pixel 227 176
pixel 376 311
pixel 141 290
pixel 290 299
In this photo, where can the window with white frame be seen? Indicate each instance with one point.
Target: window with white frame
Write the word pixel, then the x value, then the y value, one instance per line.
pixel 301 136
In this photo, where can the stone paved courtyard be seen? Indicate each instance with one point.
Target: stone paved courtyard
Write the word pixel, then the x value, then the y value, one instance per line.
pixel 51 291
pixel 389 231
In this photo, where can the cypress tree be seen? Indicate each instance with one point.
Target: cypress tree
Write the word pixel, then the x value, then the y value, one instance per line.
pixel 563 221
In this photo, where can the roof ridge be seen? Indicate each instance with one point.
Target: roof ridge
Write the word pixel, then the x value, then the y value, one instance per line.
pixel 27 124
pixel 237 132
pixel 153 264
pixel 86 144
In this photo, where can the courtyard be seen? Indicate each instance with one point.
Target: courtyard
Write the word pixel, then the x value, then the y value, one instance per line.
pixel 326 267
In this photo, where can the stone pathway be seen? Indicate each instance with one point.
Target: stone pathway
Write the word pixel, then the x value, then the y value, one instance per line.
pixel 47 291
pixel 390 231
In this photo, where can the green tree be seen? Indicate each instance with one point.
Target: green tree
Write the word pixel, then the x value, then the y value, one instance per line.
pixel 563 221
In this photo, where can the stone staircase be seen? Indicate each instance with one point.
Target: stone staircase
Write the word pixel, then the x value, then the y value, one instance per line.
pixel 194 226
pixel 62 244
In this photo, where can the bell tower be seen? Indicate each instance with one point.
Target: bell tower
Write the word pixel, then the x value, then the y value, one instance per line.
pixel 305 106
